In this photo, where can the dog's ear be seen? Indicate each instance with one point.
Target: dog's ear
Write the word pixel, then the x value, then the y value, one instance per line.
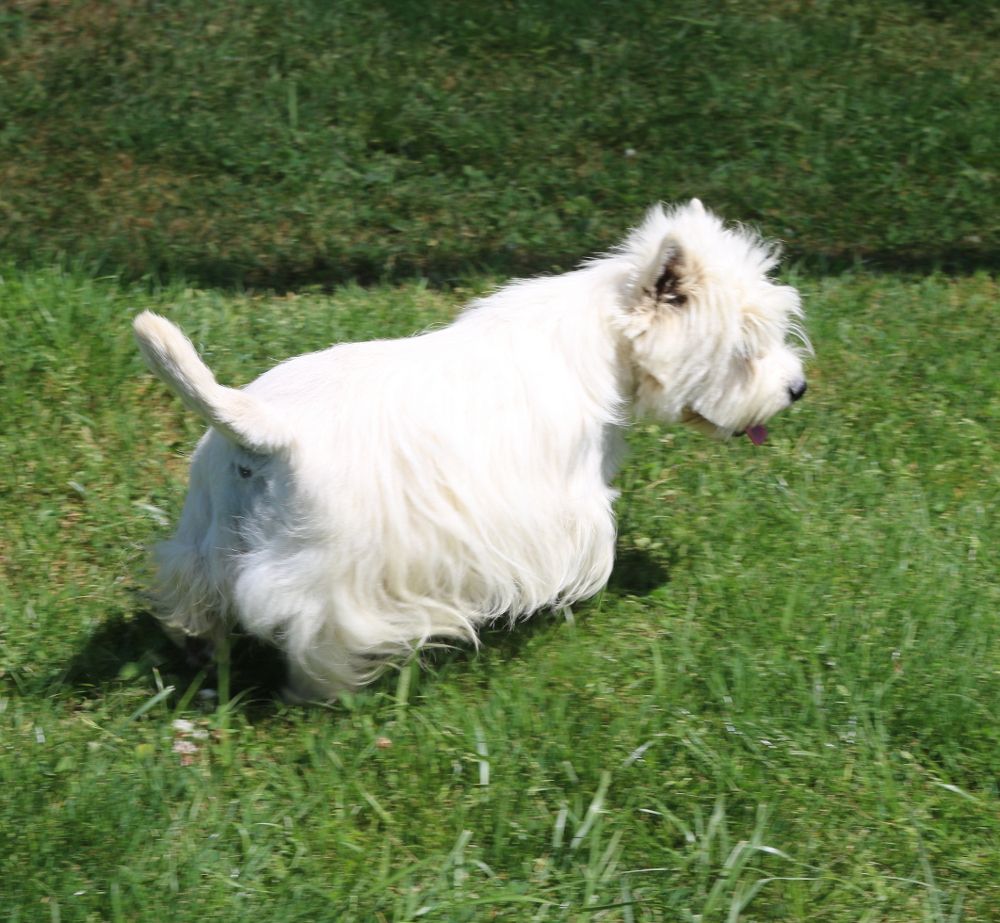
pixel 669 288
pixel 664 282
pixel 665 272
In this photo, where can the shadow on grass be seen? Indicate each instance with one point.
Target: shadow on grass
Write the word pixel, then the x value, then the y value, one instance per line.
pixel 119 650
pixel 638 573
pixel 126 650
pixel 445 270
pixel 123 650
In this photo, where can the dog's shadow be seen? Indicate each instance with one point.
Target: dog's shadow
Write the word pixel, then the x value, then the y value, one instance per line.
pixel 124 648
pixel 637 572
pixel 120 649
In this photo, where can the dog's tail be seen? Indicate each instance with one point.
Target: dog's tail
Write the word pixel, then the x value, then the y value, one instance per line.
pixel 239 416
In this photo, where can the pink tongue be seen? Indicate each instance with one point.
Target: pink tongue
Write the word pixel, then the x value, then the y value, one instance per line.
pixel 757 434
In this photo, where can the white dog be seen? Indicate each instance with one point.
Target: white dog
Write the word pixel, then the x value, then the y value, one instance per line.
pixel 355 503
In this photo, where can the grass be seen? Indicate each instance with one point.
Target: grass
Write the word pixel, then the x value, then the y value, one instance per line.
pixel 783 707
pixel 283 144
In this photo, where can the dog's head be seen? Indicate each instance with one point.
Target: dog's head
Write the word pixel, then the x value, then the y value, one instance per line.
pixel 710 336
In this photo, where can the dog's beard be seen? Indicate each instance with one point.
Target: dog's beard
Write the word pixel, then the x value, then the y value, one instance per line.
pixel 756 433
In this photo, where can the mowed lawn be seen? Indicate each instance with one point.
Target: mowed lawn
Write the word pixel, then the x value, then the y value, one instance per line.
pixel 278 143
pixel 783 707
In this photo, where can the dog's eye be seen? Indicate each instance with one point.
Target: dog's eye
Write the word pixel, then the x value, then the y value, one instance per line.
pixel 244 472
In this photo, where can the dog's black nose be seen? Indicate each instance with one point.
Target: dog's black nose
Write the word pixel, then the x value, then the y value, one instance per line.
pixel 797 390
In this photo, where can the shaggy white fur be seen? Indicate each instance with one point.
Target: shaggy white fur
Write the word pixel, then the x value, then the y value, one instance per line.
pixel 355 503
